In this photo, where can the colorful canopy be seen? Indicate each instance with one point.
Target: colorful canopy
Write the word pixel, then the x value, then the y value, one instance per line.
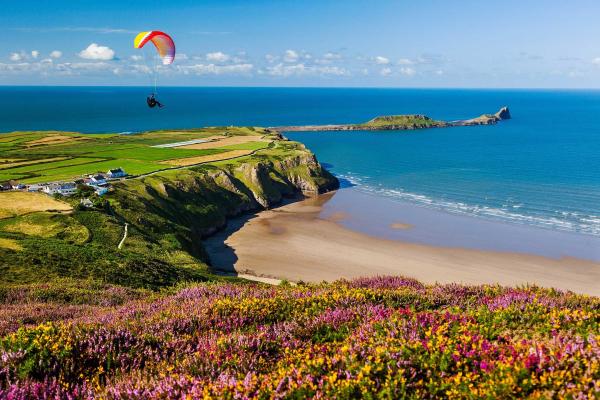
pixel 163 42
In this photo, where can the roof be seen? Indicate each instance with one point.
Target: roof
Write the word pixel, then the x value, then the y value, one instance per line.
pixel 115 170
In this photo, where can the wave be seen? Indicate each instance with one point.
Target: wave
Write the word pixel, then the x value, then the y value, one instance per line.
pixel 512 211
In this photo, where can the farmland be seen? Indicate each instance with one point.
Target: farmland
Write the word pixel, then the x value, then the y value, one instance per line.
pixel 19 203
pixel 36 157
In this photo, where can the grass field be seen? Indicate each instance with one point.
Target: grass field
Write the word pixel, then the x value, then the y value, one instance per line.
pixel 19 203
pixel 39 157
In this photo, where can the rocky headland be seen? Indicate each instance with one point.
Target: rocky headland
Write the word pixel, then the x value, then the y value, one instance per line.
pixel 400 122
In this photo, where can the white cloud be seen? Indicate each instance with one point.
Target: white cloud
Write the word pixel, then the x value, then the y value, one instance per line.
pixel 181 56
pixel 35 53
pixel 17 56
pixel 25 66
pixel 332 56
pixel 405 61
pixel 381 60
pixel 291 56
pixel 302 69
pixel 212 69
pixel 439 72
pixel 385 71
pixel 144 69
pixel 329 58
pixel 96 52
pixel 46 61
pixel 596 61
pixel 217 56
pixel 136 57
pixel 271 58
pixel 56 54
pixel 86 66
pixel 408 71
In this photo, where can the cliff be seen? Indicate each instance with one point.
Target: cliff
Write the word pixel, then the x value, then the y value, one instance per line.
pixel 167 214
pixel 486 119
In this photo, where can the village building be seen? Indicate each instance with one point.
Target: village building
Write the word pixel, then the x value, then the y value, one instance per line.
pixel 87 203
pixel 64 189
pixel 98 179
pixel 100 190
pixel 116 173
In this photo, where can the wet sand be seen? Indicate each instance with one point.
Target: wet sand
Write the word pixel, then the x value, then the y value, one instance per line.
pixel 295 242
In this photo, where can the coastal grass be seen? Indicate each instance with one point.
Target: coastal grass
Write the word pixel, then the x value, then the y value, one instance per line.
pixel 19 203
pixel 47 225
pixel 10 244
pixel 407 121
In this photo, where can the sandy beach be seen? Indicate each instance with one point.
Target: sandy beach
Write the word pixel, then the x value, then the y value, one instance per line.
pixel 294 242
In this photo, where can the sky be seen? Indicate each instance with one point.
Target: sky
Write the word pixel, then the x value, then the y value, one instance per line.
pixel 322 43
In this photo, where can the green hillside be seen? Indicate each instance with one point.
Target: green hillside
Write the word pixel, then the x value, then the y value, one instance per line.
pixel 167 212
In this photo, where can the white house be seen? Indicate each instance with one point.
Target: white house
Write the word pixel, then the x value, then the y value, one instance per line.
pixel 100 190
pixel 96 180
pixel 87 203
pixel 65 189
pixel 116 173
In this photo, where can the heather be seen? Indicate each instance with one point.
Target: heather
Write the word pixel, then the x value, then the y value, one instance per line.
pixel 385 337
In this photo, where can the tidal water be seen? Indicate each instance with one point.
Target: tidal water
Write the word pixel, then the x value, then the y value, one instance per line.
pixel 541 168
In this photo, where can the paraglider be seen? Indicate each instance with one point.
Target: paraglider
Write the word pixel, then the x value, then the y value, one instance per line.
pixel 152 102
pixel 166 50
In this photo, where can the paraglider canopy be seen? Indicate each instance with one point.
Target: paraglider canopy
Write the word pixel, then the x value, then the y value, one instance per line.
pixel 163 42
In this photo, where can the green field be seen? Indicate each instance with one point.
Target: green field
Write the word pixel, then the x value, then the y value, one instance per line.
pixel 93 153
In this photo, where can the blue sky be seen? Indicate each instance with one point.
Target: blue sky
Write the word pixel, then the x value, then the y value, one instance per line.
pixel 423 43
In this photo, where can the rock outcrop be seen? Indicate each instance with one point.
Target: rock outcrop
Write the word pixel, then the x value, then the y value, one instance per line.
pixel 400 122
pixel 486 119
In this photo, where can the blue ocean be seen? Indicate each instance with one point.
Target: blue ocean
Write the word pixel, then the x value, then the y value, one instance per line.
pixel 540 168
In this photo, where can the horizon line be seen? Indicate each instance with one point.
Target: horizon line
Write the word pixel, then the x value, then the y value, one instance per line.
pixel 308 87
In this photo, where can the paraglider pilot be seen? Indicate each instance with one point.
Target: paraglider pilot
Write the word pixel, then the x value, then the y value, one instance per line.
pixel 152 102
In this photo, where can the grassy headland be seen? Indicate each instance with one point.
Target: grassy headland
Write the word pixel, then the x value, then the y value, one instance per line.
pixel 402 122
pixel 169 206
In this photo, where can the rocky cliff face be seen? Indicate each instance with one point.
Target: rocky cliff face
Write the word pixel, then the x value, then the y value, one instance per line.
pixel 192 203
pixel 486 119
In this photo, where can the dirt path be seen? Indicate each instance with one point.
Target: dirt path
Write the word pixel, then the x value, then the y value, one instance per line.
pixel 124 237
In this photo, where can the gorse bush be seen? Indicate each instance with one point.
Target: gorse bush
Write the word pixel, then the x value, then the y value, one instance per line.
pixel 370 338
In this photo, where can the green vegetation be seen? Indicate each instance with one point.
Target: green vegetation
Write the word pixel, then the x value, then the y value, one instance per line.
pixel 370 338
pixel 411 121
pixel 167 212
pixel 35 157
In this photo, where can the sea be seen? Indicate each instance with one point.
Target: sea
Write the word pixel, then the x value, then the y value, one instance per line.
pixel 539 170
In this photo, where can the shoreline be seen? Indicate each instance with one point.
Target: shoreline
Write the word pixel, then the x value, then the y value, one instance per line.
pixel 297 242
